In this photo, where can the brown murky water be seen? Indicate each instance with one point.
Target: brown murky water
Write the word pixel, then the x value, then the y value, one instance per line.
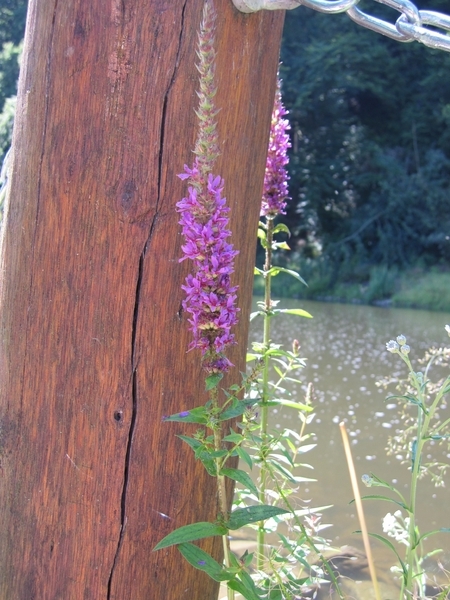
pixel 346 354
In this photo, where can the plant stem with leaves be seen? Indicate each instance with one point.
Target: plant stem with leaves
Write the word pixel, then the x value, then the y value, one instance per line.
pixel 425 427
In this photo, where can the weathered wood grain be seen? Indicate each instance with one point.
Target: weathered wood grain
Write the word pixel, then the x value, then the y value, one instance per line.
pixel 93 349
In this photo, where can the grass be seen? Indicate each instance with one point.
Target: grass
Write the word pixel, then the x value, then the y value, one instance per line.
pixel 428 290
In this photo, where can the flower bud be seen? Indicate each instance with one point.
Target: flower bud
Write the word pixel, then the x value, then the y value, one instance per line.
pixel 392 346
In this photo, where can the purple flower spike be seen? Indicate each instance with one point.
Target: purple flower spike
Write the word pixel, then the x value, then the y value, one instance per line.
pixel 210 298
pixel 275 194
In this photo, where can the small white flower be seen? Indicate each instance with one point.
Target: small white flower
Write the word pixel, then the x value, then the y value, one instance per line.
pixel 397 527
pixel 401 340
pixel 405 349
pixel 392 346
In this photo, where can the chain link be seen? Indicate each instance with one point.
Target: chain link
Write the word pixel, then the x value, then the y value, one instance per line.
pixel 412 24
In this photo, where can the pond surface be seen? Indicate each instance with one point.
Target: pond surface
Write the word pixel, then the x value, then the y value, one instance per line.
pixel 345 348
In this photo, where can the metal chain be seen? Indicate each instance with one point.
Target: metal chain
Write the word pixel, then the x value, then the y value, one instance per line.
pixel 412 24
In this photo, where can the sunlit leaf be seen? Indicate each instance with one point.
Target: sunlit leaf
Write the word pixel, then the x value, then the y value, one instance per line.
pixel 253 315
pixel 194 415
pixel 294 311
pixel 281 245
pixel 281 227
pixel 296 405
pixel 242 477
pixel 274 271
pixel 190 533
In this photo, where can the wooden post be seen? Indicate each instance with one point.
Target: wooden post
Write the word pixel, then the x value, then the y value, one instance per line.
pixel 93 348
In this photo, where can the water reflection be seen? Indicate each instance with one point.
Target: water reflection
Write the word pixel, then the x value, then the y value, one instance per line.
pixel 346 354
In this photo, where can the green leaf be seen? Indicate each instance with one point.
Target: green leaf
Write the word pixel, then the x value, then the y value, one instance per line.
pixel 245 456
pixel 261 234
pixel 236 409
pixel 234 438
pixel 275 270
pixel 204 562
pixel 253 315
pixel 281 227
pixel 212 381
pixel 247 558
pixel 245 586
pixel 192 442
pixel 208 463
pixel 241 477
pixel 375 481
pixel 391 546
pixel 379 497
pixel 281 245
pixel 257 271
pixel 195 415
pixel 276 465
pixel 428 533
pixel 294 311
pixel 251 514
pixel 238 586
pixel 411 400
pixel 296 405
pixel 190 533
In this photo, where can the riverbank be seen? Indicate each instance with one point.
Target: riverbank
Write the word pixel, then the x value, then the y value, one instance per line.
pixel 426 289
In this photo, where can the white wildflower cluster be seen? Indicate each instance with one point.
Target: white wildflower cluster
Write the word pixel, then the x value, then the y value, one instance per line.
pixel 397 527
pixel 398 346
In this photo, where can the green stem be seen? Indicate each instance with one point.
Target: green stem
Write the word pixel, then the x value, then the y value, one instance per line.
pixel 221 487
pixel 265 387
pixel 423 425
pixel 308 538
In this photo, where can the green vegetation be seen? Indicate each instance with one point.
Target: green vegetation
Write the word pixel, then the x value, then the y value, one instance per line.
pixel 12 26
pixel 415 287
pixel 429 290
pixel 370 160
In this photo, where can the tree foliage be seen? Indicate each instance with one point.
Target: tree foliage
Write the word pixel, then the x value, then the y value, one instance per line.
pixel 12 26
pixel 371 141
pixel 12 20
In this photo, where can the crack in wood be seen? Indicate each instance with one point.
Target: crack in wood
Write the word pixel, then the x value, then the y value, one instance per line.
pixel 134 360
pixel 165 101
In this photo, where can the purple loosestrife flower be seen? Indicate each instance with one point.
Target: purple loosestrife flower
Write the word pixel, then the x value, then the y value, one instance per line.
pixel 210 298
pixel 275 194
